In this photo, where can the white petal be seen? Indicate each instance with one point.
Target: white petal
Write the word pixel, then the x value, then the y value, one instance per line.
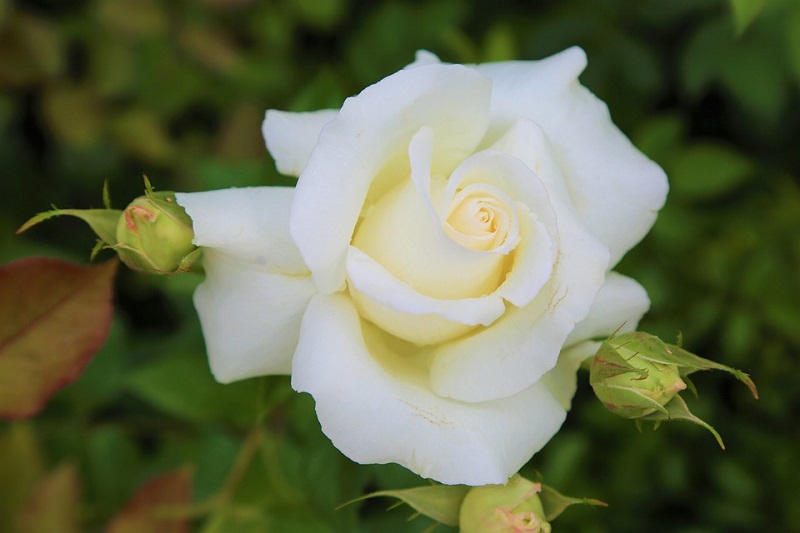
pixel 256 287
pixel 250 318
pixel 249 223
pixel 368 141
pixel 562 381
pixel 619 306
pixel 616 189
pixel 373 403
pixel 290 137
pixel 422 58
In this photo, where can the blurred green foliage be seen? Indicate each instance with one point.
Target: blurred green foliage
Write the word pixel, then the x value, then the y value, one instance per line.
pixel 110 89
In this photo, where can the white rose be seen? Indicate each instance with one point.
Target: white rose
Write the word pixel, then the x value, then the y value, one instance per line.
pixel 451 233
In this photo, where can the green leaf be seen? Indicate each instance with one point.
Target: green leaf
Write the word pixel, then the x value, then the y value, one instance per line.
pixel 703 56
pixel 54 316
pixel 555 503
pixel 440 502
pixel 745 12
pixel 102 221
pixel 660 137
pixel 678 410
pixel 754 79
pixel 182 386
pixel 706 170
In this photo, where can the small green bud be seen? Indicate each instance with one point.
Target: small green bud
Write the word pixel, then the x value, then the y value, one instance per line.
pixel 154 234
pixel 628 381
pixel 511 508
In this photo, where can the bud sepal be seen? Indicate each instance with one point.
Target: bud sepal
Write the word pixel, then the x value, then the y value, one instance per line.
pixel 518 506
pixel 637 375
pixel 153 234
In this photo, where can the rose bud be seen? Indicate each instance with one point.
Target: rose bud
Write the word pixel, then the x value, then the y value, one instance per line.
pixel 628 381
pixel 514 507
pixel 154 235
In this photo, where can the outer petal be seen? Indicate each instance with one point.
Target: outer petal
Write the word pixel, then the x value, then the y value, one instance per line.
pixel 368 141
pixel 619 306
pixel 616 189
pixel 256 287
pixel 250 318
pixel 373 403
pixel 291 137
pixel 251 223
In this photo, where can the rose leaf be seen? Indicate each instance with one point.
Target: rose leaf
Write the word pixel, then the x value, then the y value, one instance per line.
pixel 54 316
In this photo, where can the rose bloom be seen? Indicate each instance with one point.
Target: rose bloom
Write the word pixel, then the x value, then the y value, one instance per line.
pixel 443 265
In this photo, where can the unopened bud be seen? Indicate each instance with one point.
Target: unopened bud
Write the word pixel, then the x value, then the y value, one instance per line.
pixel 154 234
pixel 628 381
pixel 511 508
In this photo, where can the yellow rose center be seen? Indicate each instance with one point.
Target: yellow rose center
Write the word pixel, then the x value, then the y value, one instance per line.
pixel 477 221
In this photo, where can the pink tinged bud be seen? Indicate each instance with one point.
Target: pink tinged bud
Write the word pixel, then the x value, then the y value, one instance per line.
pixel 628 381
pixel 511 508
pixel 154 235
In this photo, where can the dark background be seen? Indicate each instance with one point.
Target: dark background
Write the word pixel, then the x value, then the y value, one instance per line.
pixel 108 90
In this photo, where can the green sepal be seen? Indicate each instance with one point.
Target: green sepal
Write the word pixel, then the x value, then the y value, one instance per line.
pixel 439 502
pixel 629 383
pixel 102 221
pixel 554 503
pixel 106 195
pixel 188 260
pixel 672 354
pixel 678 410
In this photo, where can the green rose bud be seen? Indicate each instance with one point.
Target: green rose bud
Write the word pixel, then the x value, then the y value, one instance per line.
pixel 511 508
pixel 628 381
pixel 154 235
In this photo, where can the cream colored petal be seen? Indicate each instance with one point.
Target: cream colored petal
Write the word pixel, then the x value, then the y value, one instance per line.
pixel 374 404
pixel 370 136
pixel 381 290
pixel 616 189
pixel 403 233
pixel 524 344
pixel 535 256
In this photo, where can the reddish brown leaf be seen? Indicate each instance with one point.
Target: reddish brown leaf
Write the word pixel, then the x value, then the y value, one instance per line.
pixel 149 509
pixel 53 505
pixel 54 316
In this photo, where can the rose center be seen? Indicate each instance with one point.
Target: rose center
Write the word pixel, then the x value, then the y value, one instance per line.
pixel 478 220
